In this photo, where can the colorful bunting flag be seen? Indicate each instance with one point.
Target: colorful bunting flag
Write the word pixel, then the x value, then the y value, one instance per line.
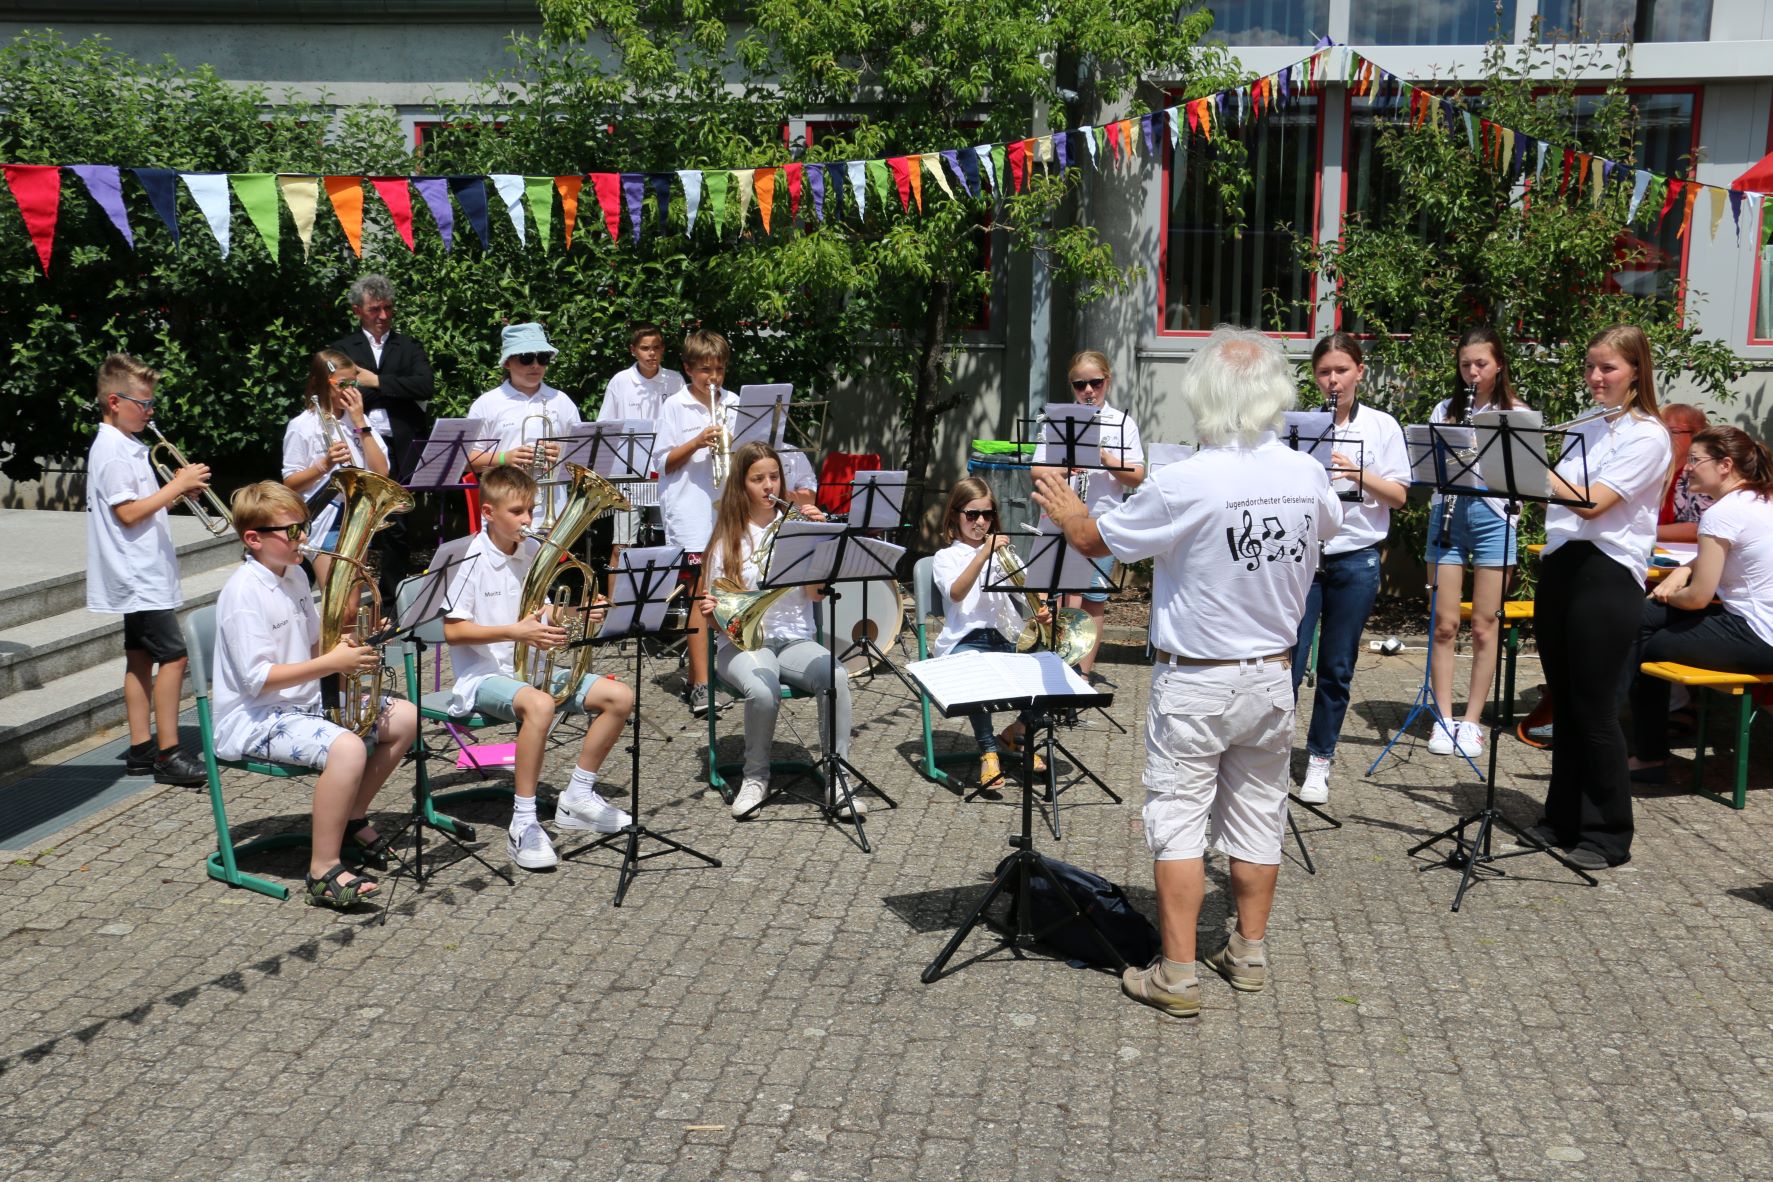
pixel 932 164
pixel 880 180
pixel 435 191
pixel 38 190
pixel 901 180
pixel 1018 154
pixel 538 194
pixel 470 195
pixel 509 187
pixel 161 185
pixel 569 188
pixel 634 197
pixel 105 183
pixel 660 184
pixel 210 191
pixel 398 198
pixel 607 186
pixel 1639 187
pixel 715 182
pixel 1717 211
pixel 794 174
pixel 346 195
pixel 692 197
pixel 301 194
pixel 858 184
pixel 744 184
pixel 765 180
pixel 815 182
pixel 914 174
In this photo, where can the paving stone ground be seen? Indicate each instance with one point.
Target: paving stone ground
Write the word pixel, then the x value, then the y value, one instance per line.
pixel 765 1019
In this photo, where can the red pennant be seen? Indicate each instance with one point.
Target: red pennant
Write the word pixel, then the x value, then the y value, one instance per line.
pixel 1569 159
pixel 901 166
pixel 1674 190
pixel 568 187
pixel 38 190
pixel 609 199
pixel 1018 153
pixel 764 181
pixel 398 198
pixel 1113 140
pixel 793 172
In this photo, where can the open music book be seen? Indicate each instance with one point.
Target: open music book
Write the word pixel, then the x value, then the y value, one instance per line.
pixel 975 679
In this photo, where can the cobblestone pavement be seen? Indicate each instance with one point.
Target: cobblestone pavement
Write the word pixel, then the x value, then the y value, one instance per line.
pixel 765 1019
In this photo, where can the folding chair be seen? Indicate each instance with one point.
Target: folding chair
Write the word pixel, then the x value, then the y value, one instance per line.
pixel 926 603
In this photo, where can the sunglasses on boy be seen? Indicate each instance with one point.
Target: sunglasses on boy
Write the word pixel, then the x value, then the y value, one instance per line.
pixel 1082 384
pixel 293 531
pixel 533 358
pixel 979 514
pixel 147 404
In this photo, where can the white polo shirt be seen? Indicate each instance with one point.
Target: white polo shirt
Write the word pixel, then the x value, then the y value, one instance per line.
pixel 1234 532
pixel 1629 455
pixel 504 411
pixel 261 620
pixel 790 617
pixel 304 445
pixel 1745 522
pixel 488 590
pixel 686 496
pixel 133 569
pixel 630 396
pixel 978 608
pixel 1374 440
pixel 797 471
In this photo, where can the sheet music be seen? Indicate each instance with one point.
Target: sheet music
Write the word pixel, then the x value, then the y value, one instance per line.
pixel 446 451
pixel 618 450
pixel 1070 436
pixel 794 558
pixel 865 558
pixel 1162 455
pixel 963 679
pixel 1531 472
pixel 1424 441
pixel 762 414
pixel 885 508
pixel 1311 432
pixel 1049 551
pixel 629 580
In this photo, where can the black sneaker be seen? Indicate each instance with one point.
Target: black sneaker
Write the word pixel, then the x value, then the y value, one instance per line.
pixel 139 763
pixel 181 770
pixel 1545 835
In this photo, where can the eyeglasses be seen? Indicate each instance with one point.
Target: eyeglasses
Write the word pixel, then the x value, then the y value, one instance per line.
pixel 533 358
pixel 293 531
pixel 346 384
pixel 147 404
pixel 1694 459
pixel 979 514
pixel 1082 384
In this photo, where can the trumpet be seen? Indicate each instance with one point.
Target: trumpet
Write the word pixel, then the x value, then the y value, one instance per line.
pixel 331 433
pixel 167 459
pixel 720 452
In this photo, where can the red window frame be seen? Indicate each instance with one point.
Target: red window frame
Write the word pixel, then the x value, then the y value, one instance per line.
pixel 421 126
pixel 1760 229
pixel 1175 97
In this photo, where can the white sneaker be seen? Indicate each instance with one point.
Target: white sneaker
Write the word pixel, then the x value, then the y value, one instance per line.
pixel 1471 740
pixel 588 810
pixel 1441 739
pixel 840 810
pixel 750 796
pixel 531 848
pixel 1316 788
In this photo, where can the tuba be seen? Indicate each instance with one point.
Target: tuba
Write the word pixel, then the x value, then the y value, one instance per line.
pixel 166 458
pixel 550 583
pixel 350 599
pixel 739 612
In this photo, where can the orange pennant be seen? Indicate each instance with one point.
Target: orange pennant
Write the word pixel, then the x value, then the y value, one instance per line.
pixel 764 180
pixel 568 187
pixel 346 195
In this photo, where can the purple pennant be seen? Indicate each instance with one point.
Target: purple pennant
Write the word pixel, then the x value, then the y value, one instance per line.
pixel 162 187
pixel 815 180
pixel 634 196
pixel 952 158
pixel 435 192
pixel 1520 156
pixel 1146 125
pixel 105 183
pixel 834 176
pixel 660 184
pixel 1286 89
pixel 470 194
pixel 1061 154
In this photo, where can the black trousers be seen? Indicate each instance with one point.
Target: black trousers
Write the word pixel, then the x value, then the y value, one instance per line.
pixel 1586 621
pixel 1711 638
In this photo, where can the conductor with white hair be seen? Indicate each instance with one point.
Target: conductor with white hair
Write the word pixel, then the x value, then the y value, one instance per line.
pixel 1233 531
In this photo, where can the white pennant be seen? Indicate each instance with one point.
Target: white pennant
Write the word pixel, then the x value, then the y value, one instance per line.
pixel 510 187
pixel 692 195
pixel 1089 134
pixel 210 191
pixel 1639 187
pixel 858 170
pixel 1173 118
pixel 983 152
pixel 1540 166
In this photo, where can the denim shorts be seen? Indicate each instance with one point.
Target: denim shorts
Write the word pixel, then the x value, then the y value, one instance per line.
pixel 495 697
pixel 1101 580
pixel 1480 536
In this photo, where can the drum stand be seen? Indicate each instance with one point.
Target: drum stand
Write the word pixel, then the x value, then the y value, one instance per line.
pixel 864 645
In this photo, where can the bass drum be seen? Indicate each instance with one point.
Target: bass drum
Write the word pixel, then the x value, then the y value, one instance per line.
pixel 872 608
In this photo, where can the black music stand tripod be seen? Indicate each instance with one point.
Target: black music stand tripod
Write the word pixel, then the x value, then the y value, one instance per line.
pixel 1473 856
pixel 880 513
pixel 1019 871
pixel 653 585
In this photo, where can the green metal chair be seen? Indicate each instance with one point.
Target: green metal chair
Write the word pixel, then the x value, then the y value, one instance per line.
pixel 926 603
pixel 720 774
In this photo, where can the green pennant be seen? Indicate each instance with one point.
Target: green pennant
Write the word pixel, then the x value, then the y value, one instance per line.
pixel 539 190
pixel 258 197
pixel 1101 134
pixel 880 179
pixel 714 184
pixel 1000 164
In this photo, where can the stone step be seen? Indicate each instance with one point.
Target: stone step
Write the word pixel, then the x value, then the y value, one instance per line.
pixel 44 569
pixel 35 654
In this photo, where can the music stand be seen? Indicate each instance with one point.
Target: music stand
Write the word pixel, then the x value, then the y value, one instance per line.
pixel 1506 457
pixel 824 554
pixel 1314 433
pixel 1053 568
pixel 643 583
pixel 437 464
pixel 877 505
pixel 999 682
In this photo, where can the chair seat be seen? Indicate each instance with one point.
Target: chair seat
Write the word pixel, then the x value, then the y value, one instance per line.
pixel 435 706
pixel 1513 611
pixel 789 693
pixel 1692 675
pixel 281 771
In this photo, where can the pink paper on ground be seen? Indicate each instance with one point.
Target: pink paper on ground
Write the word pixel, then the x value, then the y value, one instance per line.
pixel 487 755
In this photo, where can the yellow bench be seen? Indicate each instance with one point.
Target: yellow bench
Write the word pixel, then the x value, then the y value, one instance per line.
pixel 1747 688
pixel 1515 612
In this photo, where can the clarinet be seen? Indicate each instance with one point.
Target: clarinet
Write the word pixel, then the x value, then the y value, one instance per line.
pixel 1450 502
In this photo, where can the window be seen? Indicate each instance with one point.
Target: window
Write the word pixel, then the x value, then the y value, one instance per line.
pixel 1667 131
pixel 1627 20
pixel 1452 22
pixel 1761 299
pixel 1269 22
pixel 1206 275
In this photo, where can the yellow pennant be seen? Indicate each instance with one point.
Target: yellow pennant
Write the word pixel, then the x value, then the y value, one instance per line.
pixel 302 195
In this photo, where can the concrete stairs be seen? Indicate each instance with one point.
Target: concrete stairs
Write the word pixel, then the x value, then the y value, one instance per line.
pixel 61 666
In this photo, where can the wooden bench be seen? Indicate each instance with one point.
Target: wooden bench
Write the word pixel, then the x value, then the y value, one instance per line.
pixel 1515 613
pixel 1753 692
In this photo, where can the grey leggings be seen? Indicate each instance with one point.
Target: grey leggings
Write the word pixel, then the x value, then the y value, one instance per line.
pixel 758 676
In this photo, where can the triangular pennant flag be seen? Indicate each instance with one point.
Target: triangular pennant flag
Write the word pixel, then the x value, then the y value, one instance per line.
pixel 1129 129
pixel 161 185
pixel 509 186
pixel 1043 151
pixel 435 192
pixel 1753 201
pixel 915 175
pixel 933 165
pixel 346 195
pixel 716 182
pixel 901 179
pixel 1090 142
pixel 302 195
pixel 1639 187
pixel 38 190
pixel 880 180
pixel 1687 209
pixel 660 184
pixel 1736 211
pixel 105 183
pixel 765 181
pixel 968 162
pixel 1150 132
pixel 1062 150
pixel 538 194
pixel 1471 136
pixel 258 197
pixel 634 197
pixel 1018 154
pixel 691 179
pixel 744 183
pixel 398 198
pixel 858 186
pixel 1717 210
pixel 210 191
pixel 1000 167
pixel 1597 176
pixel 1517 153
pixel 815 181
pixel 793 173
pixel 1671 193
pixel 1564 180
pixel 470 193
pixel 1114 148
pixel 569 188
pixel 608 186
pixel 1286 85
pixel 952 159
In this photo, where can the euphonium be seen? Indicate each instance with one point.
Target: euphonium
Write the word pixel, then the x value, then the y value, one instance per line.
pixel 739 612
pixel 369 499
pixel 588 497
pixel 1072 632
pixel 216 519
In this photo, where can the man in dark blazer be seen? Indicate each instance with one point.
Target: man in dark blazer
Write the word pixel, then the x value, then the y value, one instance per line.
pixel 395 377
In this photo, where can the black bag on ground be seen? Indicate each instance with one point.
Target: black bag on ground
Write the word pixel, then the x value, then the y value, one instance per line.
pixel 1103 903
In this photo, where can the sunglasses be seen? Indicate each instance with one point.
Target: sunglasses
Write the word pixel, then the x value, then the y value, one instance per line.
pixel 147 404
pixel 1082 384
pixel 533 358
pixel 347 384
pixel 979 514
pixel 293 531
